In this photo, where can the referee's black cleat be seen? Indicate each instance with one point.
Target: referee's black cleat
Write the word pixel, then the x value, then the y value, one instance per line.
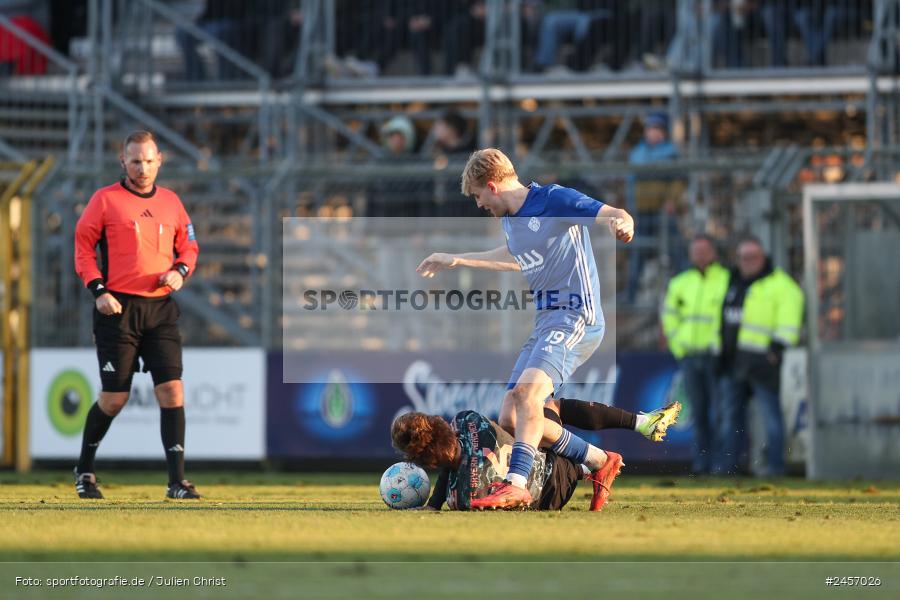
pixel 86 486
pixel 182 490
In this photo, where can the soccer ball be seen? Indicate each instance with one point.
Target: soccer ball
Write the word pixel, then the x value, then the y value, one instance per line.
pixel 405 485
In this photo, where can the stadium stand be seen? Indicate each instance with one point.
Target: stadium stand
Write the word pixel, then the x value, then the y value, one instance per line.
pixel 760 100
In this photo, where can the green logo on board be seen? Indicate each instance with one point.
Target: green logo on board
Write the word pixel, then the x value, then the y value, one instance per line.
pixel 69 401
pixel 337 402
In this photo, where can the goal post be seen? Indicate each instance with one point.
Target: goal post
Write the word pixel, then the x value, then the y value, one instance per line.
pixel 851 237
pixel 18 182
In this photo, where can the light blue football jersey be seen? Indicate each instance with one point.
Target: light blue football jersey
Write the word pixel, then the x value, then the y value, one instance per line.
pixel 549 239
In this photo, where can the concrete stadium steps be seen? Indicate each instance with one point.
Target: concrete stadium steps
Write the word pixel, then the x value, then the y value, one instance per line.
pixel 228 133
pixel 37 123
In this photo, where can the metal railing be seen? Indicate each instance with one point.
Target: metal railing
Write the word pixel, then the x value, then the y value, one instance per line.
pixel 235 298
pixel 33 90
pixel 235 295
pixel 595 38
pixel 151 46
pixel 415 39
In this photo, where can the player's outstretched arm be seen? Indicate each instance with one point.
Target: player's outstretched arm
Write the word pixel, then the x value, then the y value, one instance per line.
pixel 439 494
pixel 498 259
pixel 620 223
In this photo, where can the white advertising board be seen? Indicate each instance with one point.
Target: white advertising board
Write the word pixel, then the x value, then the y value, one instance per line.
pixel 224 406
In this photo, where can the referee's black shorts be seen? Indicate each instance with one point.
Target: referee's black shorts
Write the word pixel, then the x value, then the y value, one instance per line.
pixel 147 328
pixel 562 480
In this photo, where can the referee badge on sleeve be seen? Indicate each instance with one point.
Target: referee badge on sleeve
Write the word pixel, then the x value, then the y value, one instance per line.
pixel 190 230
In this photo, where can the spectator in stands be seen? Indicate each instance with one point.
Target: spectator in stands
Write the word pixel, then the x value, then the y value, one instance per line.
pixel 361 47
pixel 232 22
pixel 566 20
pixel 372 32
pixel 653 200
pixel 817 22
pixel 278 35
pixel 734 21
pixel 422 18
pixel 398 136
pixel 463 30
pixel 690 318
pixel 16 56
pixel 761 317
pixel 728 25
pixel 776 20
pixel 657 26
pixel 393 196
pixel 68 20
pixel 452 135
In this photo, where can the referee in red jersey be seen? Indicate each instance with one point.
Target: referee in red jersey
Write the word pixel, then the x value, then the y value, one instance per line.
pixel 147 249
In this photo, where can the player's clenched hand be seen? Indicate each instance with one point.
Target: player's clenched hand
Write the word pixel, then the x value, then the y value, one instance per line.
pixel 435 263
pixel 173 279
pixel 108 305
pixel 622 228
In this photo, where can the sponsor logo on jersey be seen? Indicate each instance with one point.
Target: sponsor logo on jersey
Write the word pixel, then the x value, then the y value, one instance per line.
pixel 190 232
pixel 529 260
pixel 534 224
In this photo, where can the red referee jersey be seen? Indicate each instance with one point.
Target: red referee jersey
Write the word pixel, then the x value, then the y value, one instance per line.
pixel 140 236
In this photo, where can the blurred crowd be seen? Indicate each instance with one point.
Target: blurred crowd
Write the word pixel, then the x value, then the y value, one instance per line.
pixel 438 37
pixel 734 23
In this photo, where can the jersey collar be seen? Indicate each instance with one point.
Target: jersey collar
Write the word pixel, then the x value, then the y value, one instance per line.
pixel 529 208
pixel 138 194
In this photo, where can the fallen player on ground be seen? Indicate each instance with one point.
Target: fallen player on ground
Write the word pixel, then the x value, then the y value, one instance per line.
pixel 473 453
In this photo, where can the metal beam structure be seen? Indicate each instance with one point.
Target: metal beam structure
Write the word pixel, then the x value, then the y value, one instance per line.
pixel 310 138
pixel 506 102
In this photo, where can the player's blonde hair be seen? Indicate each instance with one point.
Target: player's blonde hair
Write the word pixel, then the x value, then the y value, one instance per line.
pixel 486 165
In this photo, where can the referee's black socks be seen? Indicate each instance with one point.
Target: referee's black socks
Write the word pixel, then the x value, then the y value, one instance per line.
pixel 95 427
pixel 171 426
pixel 593 416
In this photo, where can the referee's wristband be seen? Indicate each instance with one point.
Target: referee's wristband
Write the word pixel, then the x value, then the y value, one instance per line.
pixel 182 269
pixel 97 288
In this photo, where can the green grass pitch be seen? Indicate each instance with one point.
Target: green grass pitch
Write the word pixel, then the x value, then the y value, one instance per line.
pixel 332 536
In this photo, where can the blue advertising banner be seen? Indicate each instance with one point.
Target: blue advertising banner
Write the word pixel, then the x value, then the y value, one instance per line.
pixel 336 416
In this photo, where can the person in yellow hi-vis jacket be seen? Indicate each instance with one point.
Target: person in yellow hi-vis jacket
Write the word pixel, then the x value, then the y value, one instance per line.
pixel 690 319
pixel 761 316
